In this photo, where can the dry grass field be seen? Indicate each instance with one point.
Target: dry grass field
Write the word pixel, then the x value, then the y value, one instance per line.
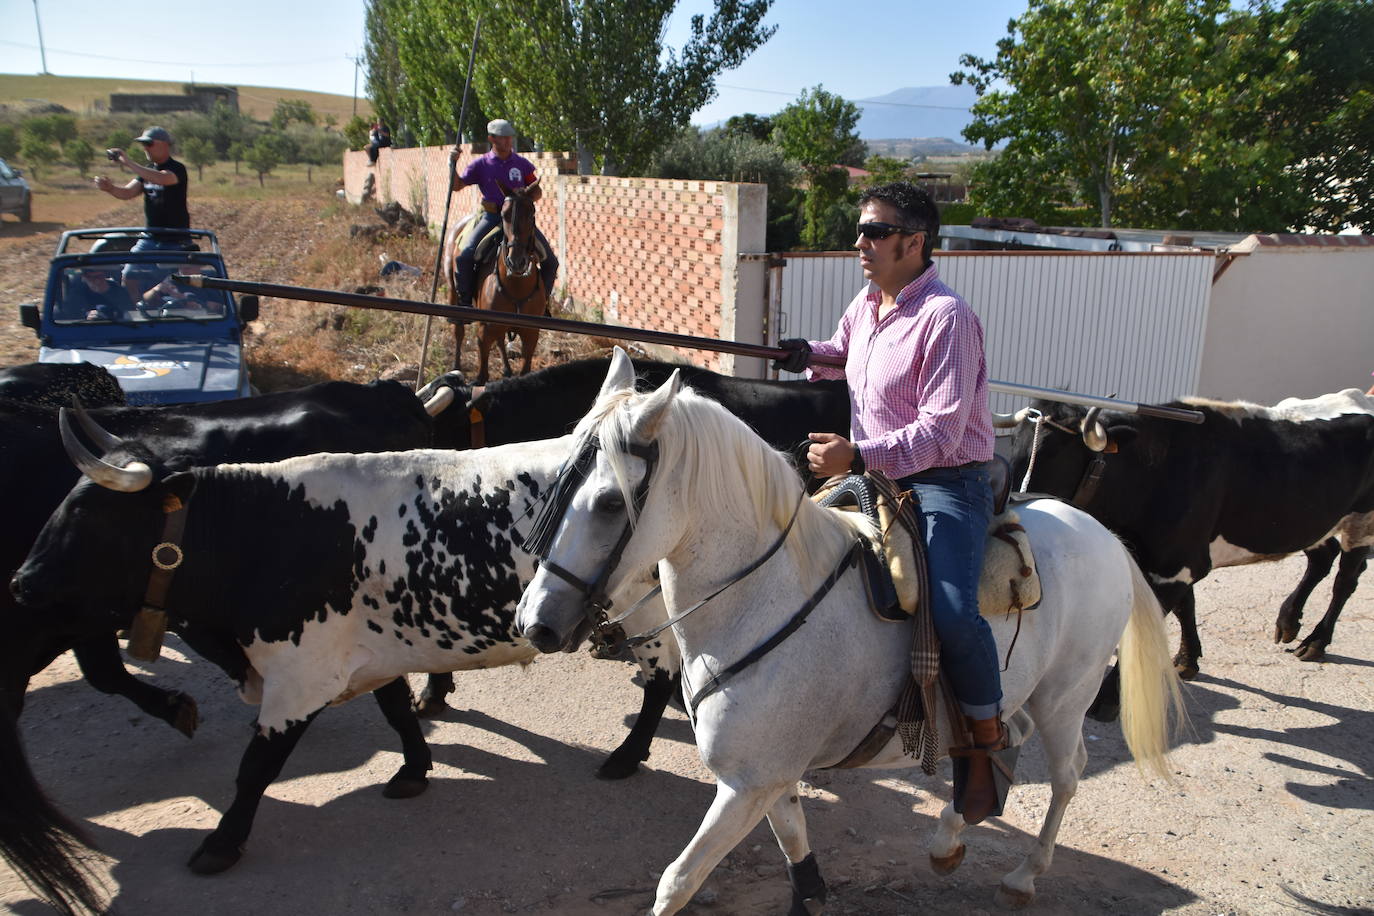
pixel 91 95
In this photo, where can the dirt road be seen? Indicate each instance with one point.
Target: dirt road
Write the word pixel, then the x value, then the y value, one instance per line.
pixel 1268 813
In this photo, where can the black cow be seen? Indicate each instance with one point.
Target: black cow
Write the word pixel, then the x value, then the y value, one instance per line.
pixel 1250 483
pixel 549 403
pixel 55 384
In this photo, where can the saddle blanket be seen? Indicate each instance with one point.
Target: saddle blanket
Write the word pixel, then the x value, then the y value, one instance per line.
pixel 1009 581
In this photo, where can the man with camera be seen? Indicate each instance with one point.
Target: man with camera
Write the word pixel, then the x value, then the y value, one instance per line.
pixel 163 185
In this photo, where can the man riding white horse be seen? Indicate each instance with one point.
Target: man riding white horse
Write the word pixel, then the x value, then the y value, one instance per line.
pixel 918 383
pixel 500 165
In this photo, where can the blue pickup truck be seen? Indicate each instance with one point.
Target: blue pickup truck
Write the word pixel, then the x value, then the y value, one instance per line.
pixel 166 344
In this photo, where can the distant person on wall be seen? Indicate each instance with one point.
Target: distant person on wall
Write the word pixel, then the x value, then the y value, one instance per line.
pixel 378 137
pixel 500 165
pixel 162 183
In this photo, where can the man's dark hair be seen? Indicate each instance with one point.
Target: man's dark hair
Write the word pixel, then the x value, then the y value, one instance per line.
pixel 917 209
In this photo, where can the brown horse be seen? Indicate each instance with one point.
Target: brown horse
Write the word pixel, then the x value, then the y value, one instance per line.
pixel 510 284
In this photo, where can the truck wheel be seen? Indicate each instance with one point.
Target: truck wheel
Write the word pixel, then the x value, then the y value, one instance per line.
pixel 26 214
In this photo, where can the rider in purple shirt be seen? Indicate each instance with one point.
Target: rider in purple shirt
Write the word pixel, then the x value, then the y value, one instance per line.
pixel 918 383
pixel 500 165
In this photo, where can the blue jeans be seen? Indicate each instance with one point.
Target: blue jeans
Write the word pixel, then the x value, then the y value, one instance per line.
pixel 464 267
pixel 955 506
pixel 146 275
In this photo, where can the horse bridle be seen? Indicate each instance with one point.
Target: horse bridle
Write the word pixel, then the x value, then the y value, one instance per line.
pixel 1092 474
pixel 608 636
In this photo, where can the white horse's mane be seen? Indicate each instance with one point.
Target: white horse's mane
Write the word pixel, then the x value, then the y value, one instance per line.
pixel 727 468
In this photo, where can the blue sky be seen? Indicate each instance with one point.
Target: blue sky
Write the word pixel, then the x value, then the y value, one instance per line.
pixel 858 52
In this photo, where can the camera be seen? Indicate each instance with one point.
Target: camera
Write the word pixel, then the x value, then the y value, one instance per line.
pixel 112 155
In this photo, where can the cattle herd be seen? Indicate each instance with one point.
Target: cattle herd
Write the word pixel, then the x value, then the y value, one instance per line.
pixel 409 513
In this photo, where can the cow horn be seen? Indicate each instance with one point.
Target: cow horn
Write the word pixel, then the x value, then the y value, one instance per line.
pixel 102 437
pixel 442 398
pixel 1010 420
pixel 132 479
pixel 1094 433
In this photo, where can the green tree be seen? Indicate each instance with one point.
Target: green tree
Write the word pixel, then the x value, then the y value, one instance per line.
pixel 236 153
pixel 290 111
pixel 35 152
pixel 1102 92
pixel 200 153
pixel 817 132
pixel 587 74
pixel 79 153
pixel 53 128
pixel 9 141
pixel 355 132
pixel 262 157
pixel 1327 106
pixel 228 126
pixel 316 147
pixel 887 169
pixel 725 155
pixel 760 127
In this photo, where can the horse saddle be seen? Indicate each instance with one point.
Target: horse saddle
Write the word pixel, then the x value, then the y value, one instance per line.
pixel 484 255
pixel 894 567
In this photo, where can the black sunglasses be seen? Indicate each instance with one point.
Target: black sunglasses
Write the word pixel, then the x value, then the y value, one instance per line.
pixel 878 231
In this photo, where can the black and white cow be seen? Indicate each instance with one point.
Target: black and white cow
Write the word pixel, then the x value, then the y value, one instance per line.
pixel 382 564
pixel 35 475
pixel 1250 483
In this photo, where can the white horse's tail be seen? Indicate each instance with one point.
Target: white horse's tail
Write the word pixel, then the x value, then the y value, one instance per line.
pixel 1149 684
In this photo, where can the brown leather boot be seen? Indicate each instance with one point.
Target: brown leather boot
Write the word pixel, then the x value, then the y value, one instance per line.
pixel 978 791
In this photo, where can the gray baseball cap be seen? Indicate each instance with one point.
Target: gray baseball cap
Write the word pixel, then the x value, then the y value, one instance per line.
pixel 500 128
pixel 155 133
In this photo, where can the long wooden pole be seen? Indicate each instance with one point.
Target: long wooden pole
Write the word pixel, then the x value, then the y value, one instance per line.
pixel 448 203
pixel 664 338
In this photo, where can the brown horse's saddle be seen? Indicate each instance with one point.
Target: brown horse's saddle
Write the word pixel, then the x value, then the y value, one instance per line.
pixel 484 256
pixel 894 568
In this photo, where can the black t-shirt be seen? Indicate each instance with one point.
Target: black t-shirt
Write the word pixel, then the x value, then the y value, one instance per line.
pixel 165 205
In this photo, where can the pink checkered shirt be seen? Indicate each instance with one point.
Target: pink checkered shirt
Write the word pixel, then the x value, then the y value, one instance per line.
pixel 918 380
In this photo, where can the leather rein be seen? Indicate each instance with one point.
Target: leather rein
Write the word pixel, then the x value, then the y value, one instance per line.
pixel 608 637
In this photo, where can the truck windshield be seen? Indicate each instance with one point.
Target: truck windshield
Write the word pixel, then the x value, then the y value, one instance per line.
pixel 135 293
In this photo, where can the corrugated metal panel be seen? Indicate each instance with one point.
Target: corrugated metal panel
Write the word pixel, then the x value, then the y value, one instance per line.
pixel 1128 324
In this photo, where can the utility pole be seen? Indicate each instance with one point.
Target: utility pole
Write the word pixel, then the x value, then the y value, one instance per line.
pixel 43 54
pixel 357 63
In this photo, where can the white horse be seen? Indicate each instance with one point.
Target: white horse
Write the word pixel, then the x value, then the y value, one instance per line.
pixel 715 497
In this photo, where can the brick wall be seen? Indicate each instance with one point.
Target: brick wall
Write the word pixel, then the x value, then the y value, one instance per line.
pixel 641 252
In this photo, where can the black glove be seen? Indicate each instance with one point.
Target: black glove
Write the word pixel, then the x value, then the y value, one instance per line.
pixel 797 359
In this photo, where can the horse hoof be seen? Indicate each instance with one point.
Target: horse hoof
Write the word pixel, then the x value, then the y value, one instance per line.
pixel 404 785
pixel 1009 898
pixel 1310 653
pixel 944 865
pixel 1186 670
pixel 206 861
pixel 186 716
pixel 1284 634
pixel 430 707
pixel 617 768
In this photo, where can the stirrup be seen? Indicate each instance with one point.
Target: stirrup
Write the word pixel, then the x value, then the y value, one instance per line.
pixel 1002 758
